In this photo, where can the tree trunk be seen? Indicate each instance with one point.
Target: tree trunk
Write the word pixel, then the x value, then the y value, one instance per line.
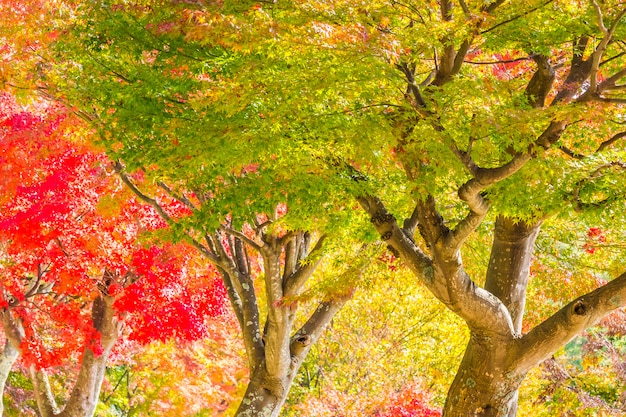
pixel 7 359
pixel 484 385
pixel 84 397
pixel 264 396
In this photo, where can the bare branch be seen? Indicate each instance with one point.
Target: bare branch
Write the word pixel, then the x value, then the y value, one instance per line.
pixel 489 9
pixel 601 147
pixel 609 142
pixel 466 9
pixel 119 168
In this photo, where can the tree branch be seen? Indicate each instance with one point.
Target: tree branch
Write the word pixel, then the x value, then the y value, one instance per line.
pixel 239 235
pixel 308 334
pixel 599 52
pixel 119 168
pixel 181 198
pixel 490 9
pixel 541 82
pixel 542 341
pixel 294 282
pixel 46 403
pixel 601 147
pixel 470 192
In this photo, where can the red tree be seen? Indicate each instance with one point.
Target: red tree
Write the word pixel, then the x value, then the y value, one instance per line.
pixel 71 238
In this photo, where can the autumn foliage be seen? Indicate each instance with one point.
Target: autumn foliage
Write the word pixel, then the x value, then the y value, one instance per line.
pixel 70 231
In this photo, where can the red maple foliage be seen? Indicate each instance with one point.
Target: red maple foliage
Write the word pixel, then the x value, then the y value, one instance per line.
pixel 70 231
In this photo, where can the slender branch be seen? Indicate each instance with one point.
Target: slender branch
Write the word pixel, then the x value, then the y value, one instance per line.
pixel 504 61
pixel 148 200
pixel 601 147
pixel 159 209
pixel 294 282
pixel 466 9
pixel 181 198
pixel 256 245
pixel 514 18
pixel 599 52
pixel 609 142
pixel 579 205
pixel 409 225
pixel 610 83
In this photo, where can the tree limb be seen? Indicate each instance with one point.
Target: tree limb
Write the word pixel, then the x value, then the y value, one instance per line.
pixel 239 235
pixel 541 82
pixel 181 198
pixel 599 52
pixel 542 341
pixel 119 168
pixel 310 331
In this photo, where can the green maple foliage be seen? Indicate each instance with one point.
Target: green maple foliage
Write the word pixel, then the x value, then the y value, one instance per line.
pixel 455 115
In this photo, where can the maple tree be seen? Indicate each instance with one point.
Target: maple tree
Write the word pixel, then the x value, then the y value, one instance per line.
pixel 491 128
pixel 65 247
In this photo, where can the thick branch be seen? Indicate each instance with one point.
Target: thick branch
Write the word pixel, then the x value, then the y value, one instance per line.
pixel 8 357
pixel 12 327
pixel 445 278
pixel 243 299
pixel 579 71
pixel 509 264
pixel 585 311
pixel 541 82
pixel 599 52
pixel 470 192
pixel 46 403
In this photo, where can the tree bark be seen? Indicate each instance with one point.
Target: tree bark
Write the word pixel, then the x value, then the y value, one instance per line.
pixel 485 384
pixel 266 393
pixel 7 359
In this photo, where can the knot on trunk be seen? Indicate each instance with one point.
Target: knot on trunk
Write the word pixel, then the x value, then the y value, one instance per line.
pixel 580 308
pixel 299 344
